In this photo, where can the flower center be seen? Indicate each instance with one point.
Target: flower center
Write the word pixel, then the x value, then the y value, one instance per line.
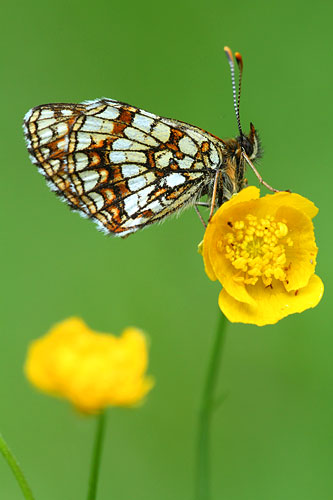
pixel 256 247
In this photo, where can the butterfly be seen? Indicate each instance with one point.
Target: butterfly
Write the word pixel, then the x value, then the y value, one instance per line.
pixel 126 168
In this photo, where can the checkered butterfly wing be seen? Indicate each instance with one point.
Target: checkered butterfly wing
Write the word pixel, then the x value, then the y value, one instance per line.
pixel 119 165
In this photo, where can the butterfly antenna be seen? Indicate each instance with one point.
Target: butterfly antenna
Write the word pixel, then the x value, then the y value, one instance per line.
pixel 236 96
pixel 233 80
pixel 239 60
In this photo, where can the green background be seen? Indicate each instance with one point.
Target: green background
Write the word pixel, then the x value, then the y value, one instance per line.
pixel 273 435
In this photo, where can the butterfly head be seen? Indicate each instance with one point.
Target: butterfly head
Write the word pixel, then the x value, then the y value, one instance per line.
pixel 251 143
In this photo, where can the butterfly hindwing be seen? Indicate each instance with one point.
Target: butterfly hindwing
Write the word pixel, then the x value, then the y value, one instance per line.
pixel 117 164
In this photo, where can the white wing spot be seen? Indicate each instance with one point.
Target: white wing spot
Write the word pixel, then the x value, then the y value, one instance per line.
pixel 81 161
pixel 66 112
pixel 83 141
pixel 60 129
pixel 155 206
pixel 143 195
pixel 127 157
pixel 109 113
pixel 132 223
pixel 137 135
pixel 97 199
pixel 46 113
pixel 41 124
pixel 55 164
pixel 142 122
pixel 62 145
pixel 45 136
pixel 130 170
pixel 186 162
pixel 131 204
pixel 126 144
pixel 196 136
pixel 93 124
pixel 45 152
pixel 137 183
pixel 174 179
pixel 161 132
pixel 117 157
pixel 146 113
pixel 90 178
pixel 187 146
pixel 162 158
pixel 150 177
pixel 214 157
pixel 135 157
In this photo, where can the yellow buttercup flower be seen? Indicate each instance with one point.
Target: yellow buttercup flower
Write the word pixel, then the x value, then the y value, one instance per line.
pixel 263 252
pixel 92 370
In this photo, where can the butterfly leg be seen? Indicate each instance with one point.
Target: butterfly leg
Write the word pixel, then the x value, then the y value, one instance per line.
pixel 261 180
pixel 212 204
pixel 199 215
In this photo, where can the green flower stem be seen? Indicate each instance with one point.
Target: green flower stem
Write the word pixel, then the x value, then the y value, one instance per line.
pixel 16 469
pixel 96 456
pixel 203 491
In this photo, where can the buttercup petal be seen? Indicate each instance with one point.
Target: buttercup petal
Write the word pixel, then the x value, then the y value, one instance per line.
pixel 246 194
pixel 205 251
pixel 301 256
pixel 272 202
pixel 271 304
pixel 92 370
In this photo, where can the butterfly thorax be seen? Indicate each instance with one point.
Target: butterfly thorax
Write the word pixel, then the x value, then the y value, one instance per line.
pixel 232 178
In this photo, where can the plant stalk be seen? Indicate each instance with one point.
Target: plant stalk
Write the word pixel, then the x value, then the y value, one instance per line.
pixel 16 469
pixel 203 469
pixel 96 456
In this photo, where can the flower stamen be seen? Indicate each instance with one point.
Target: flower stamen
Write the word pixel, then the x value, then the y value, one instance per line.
pixel 257 247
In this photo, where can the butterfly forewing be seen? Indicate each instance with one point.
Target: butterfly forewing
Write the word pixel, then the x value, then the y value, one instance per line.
pixel 120 165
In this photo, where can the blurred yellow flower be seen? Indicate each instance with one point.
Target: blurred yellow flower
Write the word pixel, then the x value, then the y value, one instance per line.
pixel 263 252
pixel 92 370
